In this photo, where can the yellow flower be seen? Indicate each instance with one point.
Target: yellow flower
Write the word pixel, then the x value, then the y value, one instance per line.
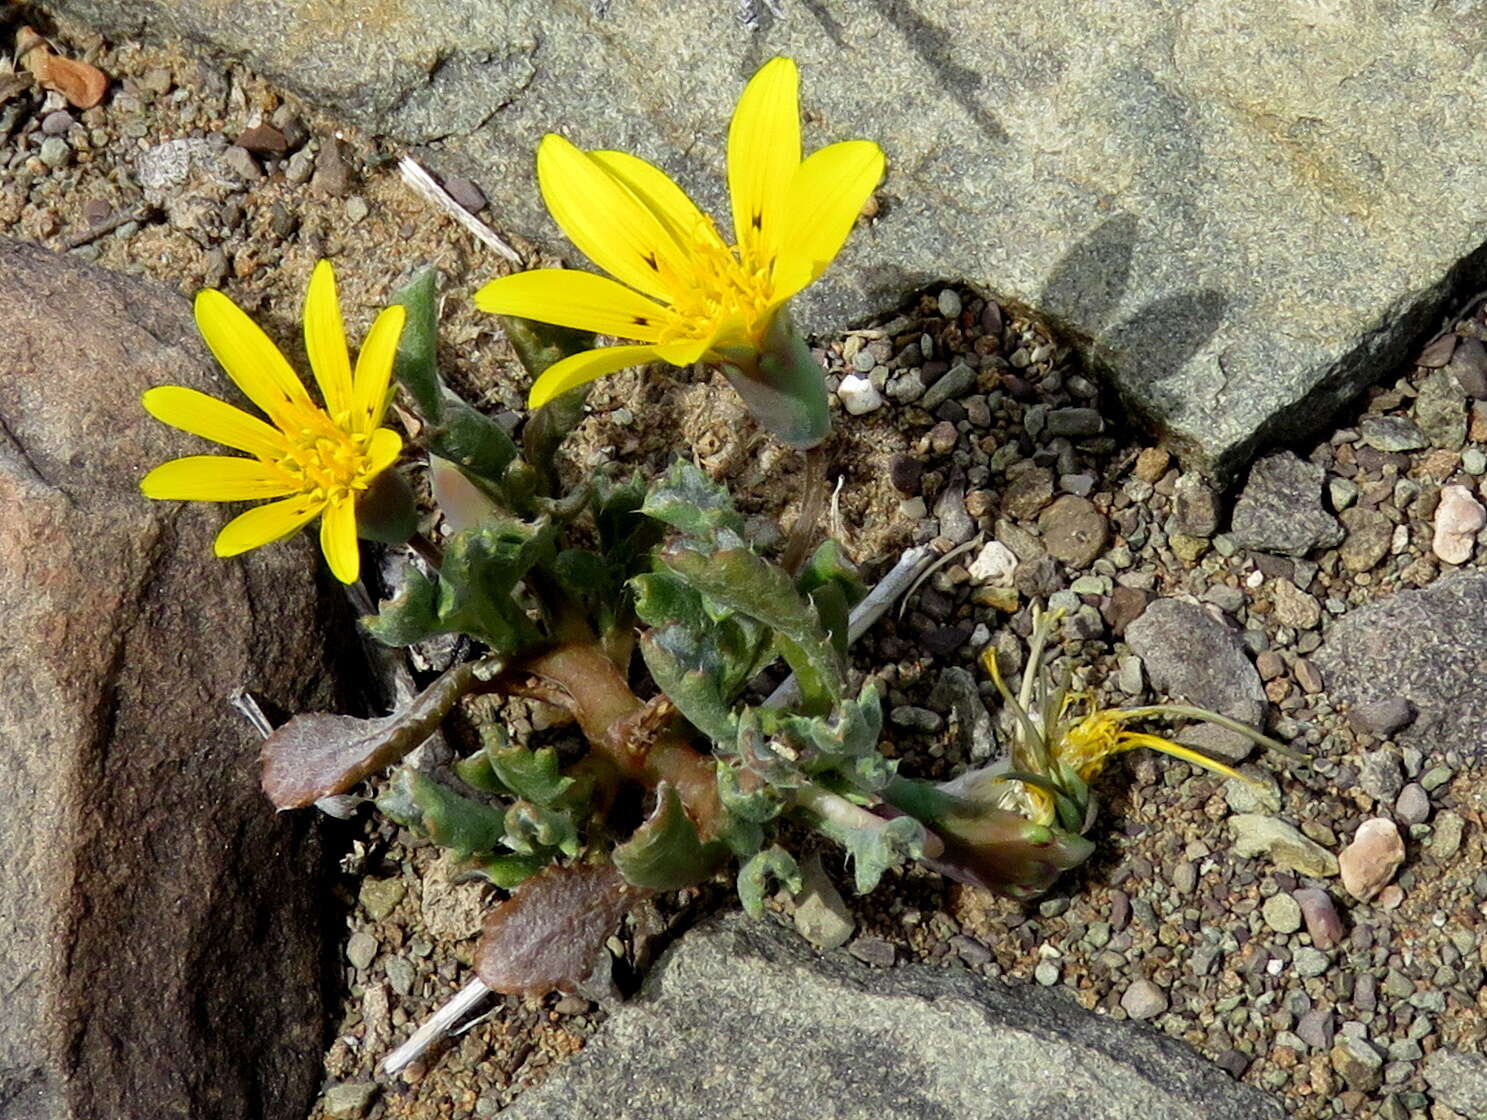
pixel 314 460
pixel 680 290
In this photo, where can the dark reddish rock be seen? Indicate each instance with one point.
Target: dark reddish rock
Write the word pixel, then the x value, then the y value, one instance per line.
pixel 163 926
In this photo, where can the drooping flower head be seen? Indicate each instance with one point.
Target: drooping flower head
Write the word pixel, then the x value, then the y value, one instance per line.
pixel 680 289
pixel 308 460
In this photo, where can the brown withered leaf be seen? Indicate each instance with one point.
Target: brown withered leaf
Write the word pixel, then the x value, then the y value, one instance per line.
pixel 549 933
pixel 318 754
pixel 83 85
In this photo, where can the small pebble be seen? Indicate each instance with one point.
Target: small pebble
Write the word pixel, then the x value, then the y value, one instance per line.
pixel 1322 921
pixel 1368 864
pixel 361 949
pixel 55 153
pixel 466 193
pixel 858 395
pixel 1413 805
pixel 1143 1000
pixel 1282 913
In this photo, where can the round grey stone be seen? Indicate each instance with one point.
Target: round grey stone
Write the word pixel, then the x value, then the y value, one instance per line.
pixel 1143 1000
pixel 1282 913
pixel 54 152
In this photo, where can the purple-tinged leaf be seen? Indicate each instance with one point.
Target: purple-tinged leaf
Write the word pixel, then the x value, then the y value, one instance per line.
pixel 549 933
pixel 318 754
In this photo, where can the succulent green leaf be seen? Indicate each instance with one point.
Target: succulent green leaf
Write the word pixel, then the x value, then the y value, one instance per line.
pixel 455 431
pixel 772 865
pixel 477 773
pixel 746 796
pixel 834 587
pixel 665 853
pixel 687 500
pixel 409 618
pixel 534 776
pixel 877 849
pixel 473 441
pixel 662 598
pixel 745 583
pixel 416 366
pixel 482 567
pixel 534 829
pixel 586 578
pixel 453 821
pixel 507 870
pixel 690 670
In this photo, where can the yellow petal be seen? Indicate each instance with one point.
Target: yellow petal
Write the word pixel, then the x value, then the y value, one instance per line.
pixel 338 539
pixel 826 196
pixel 201 415
pixel 763 153
pixel 215 478
pixel 662 196
pixel 579 369
pixel 250 359
pixel 325 340
pixel 262 525
pixel 1132 740
pixel 374 369
pixel 574 299
pixel 610 226
pixel 383 450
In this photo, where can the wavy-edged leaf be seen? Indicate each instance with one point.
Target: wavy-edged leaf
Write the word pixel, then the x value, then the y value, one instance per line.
pixel 549 933
pixel 690 672
pixel 772 865
pixel 452 820
pixel 416 366
pixel 533 775
pixel 481 569
pixel 689 501
pixel 877 849
pixel 454 430
pixel 410 618
pixel 832 584
pixel 665 853
pixel 319 754
pixel 740 581
pixel 507 870
pixel 534 829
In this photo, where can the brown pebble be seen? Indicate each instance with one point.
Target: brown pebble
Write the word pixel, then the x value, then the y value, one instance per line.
pixel 1322 921
pixel 1370 861
pixel 263 139
pixel 1152 464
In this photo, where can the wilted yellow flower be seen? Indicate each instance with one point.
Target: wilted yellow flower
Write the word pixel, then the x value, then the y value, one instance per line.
pixel 680 289
pixel 313 460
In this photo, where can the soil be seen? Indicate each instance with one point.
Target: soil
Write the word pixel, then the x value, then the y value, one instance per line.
pixel 1164 900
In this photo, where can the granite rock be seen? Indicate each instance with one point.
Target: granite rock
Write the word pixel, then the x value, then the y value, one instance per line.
pixel 161 923
pixel 748 1014
pixel 1427 646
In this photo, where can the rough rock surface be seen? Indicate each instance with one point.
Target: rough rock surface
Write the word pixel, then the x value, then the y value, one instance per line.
pixel 1195 659
pixel 1174 184
pixel 744 1019
pixel 1280 508
pixel 161 925
pixel 1429 646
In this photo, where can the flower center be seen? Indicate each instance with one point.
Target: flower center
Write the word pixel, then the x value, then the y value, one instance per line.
pixel 325 461
pixel 728 287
